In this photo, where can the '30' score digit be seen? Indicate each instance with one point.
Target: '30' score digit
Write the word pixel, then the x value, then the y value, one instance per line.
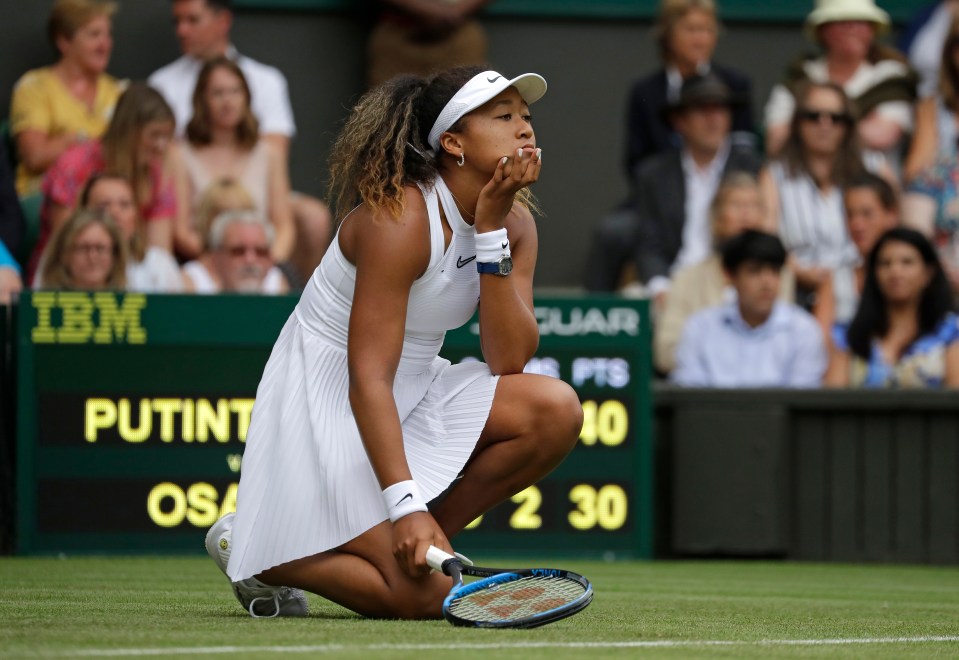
pixel 605 507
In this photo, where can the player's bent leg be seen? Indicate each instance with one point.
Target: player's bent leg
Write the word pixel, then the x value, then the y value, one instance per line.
pixel 362 575
pixel 534 423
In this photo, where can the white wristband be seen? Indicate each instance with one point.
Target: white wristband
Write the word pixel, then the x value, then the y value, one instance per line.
pixel 491 246
pixel 402 499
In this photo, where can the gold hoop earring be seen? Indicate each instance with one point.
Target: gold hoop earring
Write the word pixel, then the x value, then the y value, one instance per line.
pixel 462 160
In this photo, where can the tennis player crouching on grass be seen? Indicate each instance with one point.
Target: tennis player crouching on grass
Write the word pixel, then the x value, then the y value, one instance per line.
pixel 358 423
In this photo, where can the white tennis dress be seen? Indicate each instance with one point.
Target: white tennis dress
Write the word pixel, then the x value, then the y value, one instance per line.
pixel 307 484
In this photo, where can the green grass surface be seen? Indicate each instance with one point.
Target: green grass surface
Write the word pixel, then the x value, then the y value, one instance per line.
pixel 182 607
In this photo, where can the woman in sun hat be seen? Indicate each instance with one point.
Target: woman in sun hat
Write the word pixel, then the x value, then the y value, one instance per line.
pixel 876 77
pixel 358 424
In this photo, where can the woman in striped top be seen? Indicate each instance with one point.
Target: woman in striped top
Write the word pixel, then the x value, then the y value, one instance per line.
pixel 803 186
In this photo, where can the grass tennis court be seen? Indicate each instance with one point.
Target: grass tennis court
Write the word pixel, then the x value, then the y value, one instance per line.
pixel 182 607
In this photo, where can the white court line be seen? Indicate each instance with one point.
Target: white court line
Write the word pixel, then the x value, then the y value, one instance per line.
pixel 339 648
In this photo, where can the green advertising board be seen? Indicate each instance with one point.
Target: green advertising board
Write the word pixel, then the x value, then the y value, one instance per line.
pixel 132 413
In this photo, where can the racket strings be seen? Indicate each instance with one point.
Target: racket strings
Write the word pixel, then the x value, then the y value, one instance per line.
pixel 518 599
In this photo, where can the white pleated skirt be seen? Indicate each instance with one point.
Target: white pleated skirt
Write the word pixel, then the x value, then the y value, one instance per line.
pixel 306 484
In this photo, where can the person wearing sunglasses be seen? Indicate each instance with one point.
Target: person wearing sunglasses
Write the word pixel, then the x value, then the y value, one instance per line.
pixel 240 262
pixel 875 76
pixel 803 185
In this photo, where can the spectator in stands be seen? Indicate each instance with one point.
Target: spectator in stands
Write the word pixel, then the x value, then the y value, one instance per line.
pixel 686 33
pixel 135 147
pixel 803 186
pixel 669 226
pixel 150 269
pixel 871 209
pixel 240 245
pixel 12 223
pixel 923 38
pixel 736 207
pixel 904 333
pixel 10 282
pixel 419 38
pixel 56 106
pixel 222 141
pixel 755 340
pixel 203 30
pixel 221 195
pixel 876 77
pixel 86 252
pixel 931 201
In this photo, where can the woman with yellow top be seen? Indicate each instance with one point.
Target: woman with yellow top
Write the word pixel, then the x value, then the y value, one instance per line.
pixel 56 106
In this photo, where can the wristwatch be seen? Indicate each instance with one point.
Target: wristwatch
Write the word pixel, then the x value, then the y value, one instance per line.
pixel 502 267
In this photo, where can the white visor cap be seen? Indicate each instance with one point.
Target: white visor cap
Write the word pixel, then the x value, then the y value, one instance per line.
pixel 480 89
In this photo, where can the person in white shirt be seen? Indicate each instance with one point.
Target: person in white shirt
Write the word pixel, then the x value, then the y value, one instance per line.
pixel 203 30
pixel 755 340
pixel 239 258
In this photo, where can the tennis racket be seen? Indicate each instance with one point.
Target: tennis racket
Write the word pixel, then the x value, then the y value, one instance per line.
pixel 508 598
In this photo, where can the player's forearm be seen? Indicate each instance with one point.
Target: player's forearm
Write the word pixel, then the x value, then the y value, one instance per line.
pixel 509 334
pixel 379 425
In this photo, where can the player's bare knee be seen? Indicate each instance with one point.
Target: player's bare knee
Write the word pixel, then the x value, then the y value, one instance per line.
pixel 561 416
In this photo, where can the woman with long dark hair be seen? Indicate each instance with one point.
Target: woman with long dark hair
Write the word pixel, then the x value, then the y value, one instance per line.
pixel 904 333
pixel 803 186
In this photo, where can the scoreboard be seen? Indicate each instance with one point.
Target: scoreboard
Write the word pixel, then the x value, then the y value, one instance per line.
pixel 132 414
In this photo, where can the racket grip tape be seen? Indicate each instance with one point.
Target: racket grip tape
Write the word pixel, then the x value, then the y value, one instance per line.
pixel 435 558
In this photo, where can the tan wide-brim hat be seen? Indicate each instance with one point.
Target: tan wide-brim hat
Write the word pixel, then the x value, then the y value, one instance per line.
pixel 831 11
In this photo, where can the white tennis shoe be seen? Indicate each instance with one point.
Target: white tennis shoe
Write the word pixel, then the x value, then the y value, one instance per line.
pixel 260 600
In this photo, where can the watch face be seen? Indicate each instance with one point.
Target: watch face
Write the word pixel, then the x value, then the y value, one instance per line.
pixel 505 265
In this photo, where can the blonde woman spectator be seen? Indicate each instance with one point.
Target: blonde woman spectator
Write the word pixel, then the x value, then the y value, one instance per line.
pixel 876 77
pixel 737 206
pixel 135 147
pixel 240 243
pixel 150 269
pixel 221 195
pixel 87 252
pixel 56 106
pixel 222 141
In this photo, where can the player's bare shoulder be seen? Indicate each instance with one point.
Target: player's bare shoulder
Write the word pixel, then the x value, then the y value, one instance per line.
pixel 382 232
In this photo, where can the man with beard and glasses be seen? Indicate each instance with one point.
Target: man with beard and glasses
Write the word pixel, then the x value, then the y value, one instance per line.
pixel 239 258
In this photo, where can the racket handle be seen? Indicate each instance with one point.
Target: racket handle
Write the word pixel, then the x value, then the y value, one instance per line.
pixel 435 558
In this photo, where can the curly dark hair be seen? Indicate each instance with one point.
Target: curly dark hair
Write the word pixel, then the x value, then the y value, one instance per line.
pixel 384 146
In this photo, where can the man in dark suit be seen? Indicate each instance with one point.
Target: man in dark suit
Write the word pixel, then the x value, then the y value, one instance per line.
pixel 686 32
pixel 667 226
pixel 648 133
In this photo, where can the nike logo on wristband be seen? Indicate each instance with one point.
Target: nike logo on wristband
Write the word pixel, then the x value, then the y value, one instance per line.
pixel 404 498
pixel 460 261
